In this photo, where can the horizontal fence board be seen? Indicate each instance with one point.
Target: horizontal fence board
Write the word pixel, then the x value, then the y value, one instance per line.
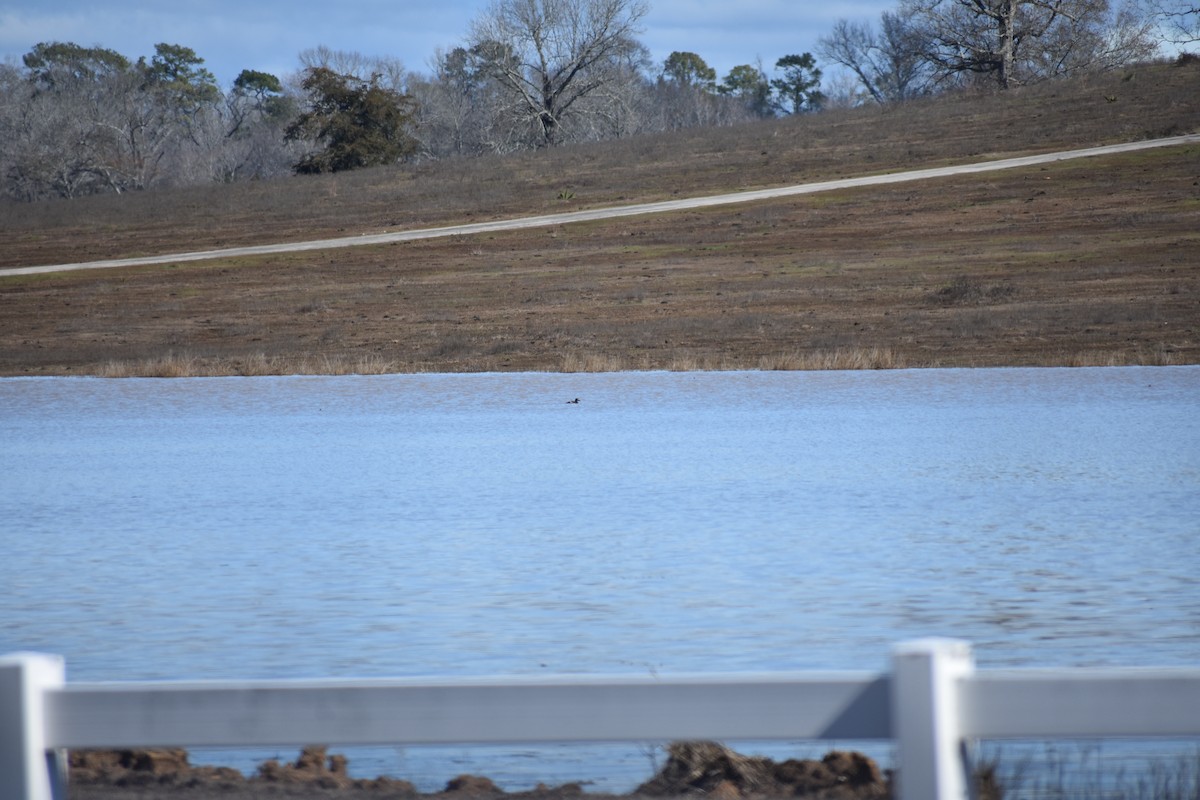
pixel 1081 703
pixel 944 701
pixel 836 706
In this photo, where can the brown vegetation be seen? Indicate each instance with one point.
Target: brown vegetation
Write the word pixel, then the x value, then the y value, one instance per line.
pixel 1088 262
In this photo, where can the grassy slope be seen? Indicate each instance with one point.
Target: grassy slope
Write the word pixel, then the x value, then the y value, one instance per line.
pixel 1095 261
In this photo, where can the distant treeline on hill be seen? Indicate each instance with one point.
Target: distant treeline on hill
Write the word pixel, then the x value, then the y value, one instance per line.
pixel 88 120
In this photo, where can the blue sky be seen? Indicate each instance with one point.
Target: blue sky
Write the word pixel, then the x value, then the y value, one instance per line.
pixel 267 35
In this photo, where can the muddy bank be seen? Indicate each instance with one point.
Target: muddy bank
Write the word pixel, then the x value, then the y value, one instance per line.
pixel 692 769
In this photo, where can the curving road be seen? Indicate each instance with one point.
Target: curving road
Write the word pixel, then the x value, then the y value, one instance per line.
pixel 610 213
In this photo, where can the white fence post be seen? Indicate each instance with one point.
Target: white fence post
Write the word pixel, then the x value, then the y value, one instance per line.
pixel 926 679
pixel 27 771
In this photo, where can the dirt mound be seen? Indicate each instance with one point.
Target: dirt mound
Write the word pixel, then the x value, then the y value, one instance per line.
pixel 170 768
pixel 145 768
pixel 713 769
pixel 312 767
pixel 472 785
pixel 692 769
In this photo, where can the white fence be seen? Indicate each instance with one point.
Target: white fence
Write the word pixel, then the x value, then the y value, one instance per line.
pixel 932 703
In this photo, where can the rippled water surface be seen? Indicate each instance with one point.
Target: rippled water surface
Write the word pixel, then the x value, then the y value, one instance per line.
pixel 481 524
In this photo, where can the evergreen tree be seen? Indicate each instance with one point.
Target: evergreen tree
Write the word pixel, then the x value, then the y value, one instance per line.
pixel 355 123
pixel 797 89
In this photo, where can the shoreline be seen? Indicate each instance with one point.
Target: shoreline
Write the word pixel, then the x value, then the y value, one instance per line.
pixel 182 366
pixel 552 373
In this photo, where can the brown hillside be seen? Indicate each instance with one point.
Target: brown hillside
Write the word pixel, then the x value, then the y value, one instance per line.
pixel 1082 262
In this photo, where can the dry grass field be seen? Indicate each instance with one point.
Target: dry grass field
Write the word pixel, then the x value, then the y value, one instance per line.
pixel 1087 262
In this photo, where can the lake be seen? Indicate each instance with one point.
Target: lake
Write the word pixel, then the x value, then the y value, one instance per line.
pixel 482 524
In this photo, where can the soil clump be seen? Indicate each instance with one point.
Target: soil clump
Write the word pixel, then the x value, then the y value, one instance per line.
pixel 709 768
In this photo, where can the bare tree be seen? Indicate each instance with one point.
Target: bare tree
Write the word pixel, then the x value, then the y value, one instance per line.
pixel 387 71
pixel 1091 42
pixel 843 90
pixel 616 108
pixel 888 64
pixel 464 108
pixel 550 55
pixel 80 120
pixel 1180 20
pixel 1017 41
pixel 59 139
pixel 248 141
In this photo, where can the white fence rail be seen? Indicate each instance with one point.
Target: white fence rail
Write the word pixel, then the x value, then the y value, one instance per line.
pixel 933 704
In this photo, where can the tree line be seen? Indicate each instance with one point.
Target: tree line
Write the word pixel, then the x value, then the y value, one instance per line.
pixel 531 73
pixel 931 45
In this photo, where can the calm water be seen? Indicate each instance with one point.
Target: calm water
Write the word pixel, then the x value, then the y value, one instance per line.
pixel 481 524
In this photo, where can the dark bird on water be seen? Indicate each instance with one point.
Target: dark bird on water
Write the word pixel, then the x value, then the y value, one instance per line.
pixel 576 400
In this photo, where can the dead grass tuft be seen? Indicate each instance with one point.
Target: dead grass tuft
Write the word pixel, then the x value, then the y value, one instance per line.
pixel 963 290
pixel 183 365
pixel 857 358
pixel 173 365
pixel 592 362
pixel 1150 357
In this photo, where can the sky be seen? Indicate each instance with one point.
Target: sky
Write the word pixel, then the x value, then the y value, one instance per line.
pixel 268 35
